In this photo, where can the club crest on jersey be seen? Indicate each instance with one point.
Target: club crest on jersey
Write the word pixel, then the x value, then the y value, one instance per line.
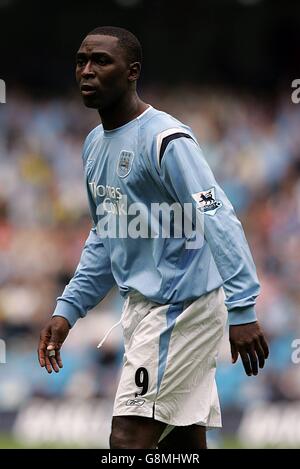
pixel 125 163
pixel 206 201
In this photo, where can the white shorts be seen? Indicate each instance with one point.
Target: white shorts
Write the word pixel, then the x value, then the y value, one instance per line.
pixel 170 360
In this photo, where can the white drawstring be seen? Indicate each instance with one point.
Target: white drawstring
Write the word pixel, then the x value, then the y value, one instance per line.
pixel 115 325
pixel 108 332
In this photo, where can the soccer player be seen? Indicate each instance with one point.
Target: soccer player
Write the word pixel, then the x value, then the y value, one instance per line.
pixel 174 312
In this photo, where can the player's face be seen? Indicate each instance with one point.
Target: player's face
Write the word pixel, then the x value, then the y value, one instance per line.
pixel 102 71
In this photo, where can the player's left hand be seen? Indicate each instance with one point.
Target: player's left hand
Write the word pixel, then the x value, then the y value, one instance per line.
pixel 248 341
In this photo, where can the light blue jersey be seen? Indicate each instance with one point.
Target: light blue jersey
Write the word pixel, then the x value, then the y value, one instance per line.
pixel 155 159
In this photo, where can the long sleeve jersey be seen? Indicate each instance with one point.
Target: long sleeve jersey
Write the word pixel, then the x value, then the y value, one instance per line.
pixel 133 171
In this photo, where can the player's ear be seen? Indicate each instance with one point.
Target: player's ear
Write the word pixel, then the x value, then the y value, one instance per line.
pixel 134 71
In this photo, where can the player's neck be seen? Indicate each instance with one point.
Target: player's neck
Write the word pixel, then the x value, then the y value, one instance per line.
pixel 125 110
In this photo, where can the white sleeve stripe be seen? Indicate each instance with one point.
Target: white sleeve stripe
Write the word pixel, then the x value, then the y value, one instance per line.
pixel 164 134
pixel 160 138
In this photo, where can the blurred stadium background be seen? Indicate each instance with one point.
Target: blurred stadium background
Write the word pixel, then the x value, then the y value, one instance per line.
pixel 224 67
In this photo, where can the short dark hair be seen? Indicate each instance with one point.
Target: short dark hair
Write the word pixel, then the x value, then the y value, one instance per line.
pixel 127 41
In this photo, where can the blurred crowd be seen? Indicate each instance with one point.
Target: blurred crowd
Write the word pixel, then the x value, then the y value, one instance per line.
pixel 253 146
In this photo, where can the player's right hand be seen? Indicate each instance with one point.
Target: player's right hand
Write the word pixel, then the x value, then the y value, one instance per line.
pixel 51 338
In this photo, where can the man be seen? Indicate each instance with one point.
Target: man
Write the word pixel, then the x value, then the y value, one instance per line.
pixel 174 314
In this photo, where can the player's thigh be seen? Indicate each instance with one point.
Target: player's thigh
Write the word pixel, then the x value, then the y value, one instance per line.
pixel 191 437
pixel 135 432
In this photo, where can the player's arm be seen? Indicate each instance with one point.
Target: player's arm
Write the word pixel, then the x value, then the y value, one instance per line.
pixel 187 176
pixel 90 284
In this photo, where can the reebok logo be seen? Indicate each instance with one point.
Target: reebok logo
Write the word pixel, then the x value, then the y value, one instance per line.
pixel 138 402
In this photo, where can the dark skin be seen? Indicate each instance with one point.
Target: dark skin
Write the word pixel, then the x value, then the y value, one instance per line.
pixel 248 341
pixel 107 82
